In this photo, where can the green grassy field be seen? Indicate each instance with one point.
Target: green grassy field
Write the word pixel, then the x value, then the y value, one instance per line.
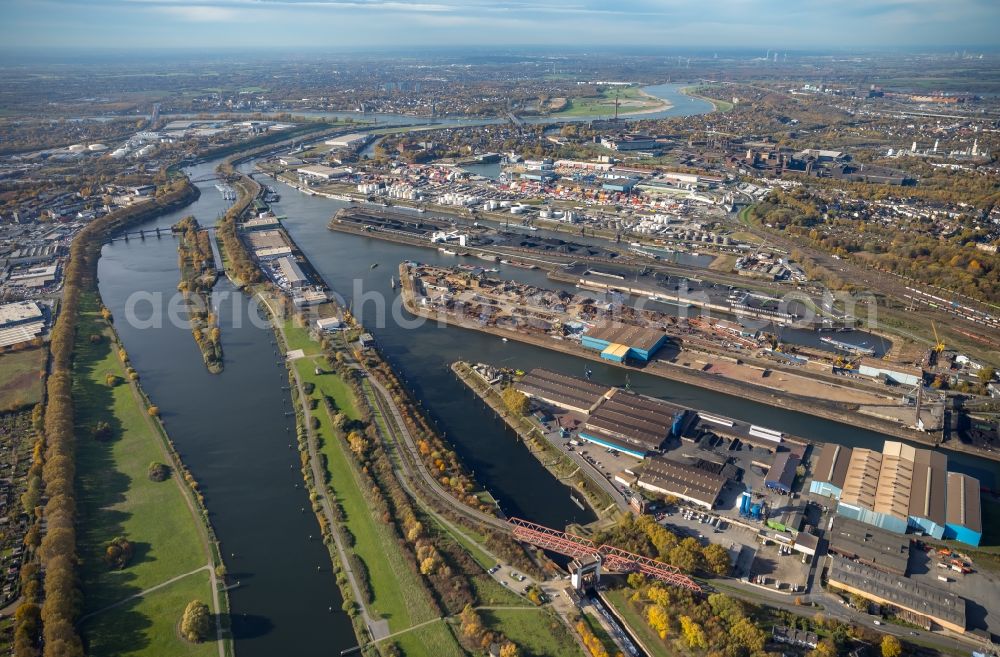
pixel 326 384
pixel 21 378
pixel 116 498
pixel 398 593
pixel 434 639
pixel 487 590
pixel 630 99
pixel 148 625
pixel 537 632
pixel 297 337
pixel 330 385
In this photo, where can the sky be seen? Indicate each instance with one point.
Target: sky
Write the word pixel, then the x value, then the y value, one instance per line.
pixel 378 24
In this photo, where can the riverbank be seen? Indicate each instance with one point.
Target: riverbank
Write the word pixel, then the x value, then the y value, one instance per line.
pixel 551 458
pixel 693 376
pixel 382 594
pixel 613 101
pixel 718 105
pixel 374 455
pixel 133 609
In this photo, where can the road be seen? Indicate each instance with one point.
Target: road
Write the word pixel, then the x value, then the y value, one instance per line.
pixel 590 470
pixel 151 589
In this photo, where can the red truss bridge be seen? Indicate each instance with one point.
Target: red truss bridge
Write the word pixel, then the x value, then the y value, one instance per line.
pixel 612 558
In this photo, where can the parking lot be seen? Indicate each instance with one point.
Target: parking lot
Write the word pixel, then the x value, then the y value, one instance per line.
pixel 980 588
pixel 513 579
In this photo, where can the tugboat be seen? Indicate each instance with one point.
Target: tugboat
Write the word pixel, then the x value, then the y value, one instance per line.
pixel 374 265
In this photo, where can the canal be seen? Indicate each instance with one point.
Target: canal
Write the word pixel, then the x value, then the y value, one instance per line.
pixel 235 431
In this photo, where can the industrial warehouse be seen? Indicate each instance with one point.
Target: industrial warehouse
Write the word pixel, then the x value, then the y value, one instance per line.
pixel 624 422
pixel 639 425
pixel 613 418
pixel 752 494
pixel 279 258
pixel 563 391
pixel 869 545
pixel 665 477
pixel 632 423
pixel 781 474
pixel 20 322
pixel 618 342
pixel 900 487
pixel 913 601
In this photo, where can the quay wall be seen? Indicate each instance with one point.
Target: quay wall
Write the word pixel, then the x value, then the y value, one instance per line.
pixel 837 412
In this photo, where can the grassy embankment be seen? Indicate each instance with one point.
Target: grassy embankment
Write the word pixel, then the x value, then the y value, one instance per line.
pixel 394 597
pixel 397 593
pixel 535 631
pixel 21 378
pixel 633 618
pixel 631 100
pixel 487 590
pixel 117 498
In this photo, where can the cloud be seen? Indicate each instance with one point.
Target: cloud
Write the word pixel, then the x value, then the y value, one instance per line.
pixel 810 24
pixel 240 5
pixel 199 13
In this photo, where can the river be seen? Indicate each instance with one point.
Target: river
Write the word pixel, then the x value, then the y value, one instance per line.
pixel 233 433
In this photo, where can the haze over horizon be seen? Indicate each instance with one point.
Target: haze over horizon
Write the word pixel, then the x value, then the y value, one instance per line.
pixel 374 24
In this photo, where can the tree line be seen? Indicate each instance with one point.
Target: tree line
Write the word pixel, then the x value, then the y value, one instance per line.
pixel 643 535
pixel 56 635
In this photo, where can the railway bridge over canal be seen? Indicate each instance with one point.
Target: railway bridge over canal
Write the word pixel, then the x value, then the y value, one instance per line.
pixel 612 558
